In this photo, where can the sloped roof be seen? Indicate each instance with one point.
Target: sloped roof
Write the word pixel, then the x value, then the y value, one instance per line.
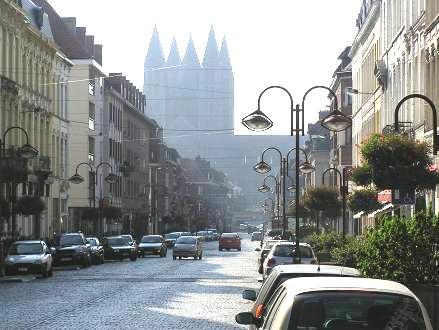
pixel 191 57
pixel 224 58
pixel 64 38
pixel 155 57
pixel 211 53
pixel 174 55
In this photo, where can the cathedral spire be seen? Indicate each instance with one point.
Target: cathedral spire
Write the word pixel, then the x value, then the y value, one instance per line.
pixel 155 58
pixel 211 53
pixel 174 56
pixel 190 57
pixel 224 59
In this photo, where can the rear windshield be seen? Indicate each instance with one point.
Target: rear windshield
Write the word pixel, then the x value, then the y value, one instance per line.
pixel 172 236
pixel 151 239
pixel 92 241
pixel 117 241
pixel 355 310
pixel 289 251
pixel 186 240
pixel 229 235
pixel 26 248
pixel 71 240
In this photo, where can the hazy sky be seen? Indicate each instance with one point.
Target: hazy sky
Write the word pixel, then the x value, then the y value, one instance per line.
pixel 293 43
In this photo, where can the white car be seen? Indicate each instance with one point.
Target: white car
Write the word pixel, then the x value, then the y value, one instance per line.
pixel 340 303
pixel 283 253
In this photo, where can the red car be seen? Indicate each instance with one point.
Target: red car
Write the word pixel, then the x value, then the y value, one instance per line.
pixel 230 241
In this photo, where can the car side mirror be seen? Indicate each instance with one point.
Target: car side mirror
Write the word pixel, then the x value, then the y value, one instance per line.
pixel 249 295
pixel 258 249
pixel 245 318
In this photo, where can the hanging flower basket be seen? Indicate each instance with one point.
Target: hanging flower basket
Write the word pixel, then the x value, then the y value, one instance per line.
pixel 89 213
pixel 364 200
pixel 30 205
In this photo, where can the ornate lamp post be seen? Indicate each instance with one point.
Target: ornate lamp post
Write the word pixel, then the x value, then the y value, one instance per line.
pixel 343 191
pixel 15 162
pixel 110 178
pixel 335 121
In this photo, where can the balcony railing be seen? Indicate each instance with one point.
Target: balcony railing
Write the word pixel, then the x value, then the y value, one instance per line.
pixel 405 128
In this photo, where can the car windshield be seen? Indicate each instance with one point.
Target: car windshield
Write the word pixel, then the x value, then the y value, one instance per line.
pixel 71 240
pixel 117 241
pixel 269 244
pixel 151 239
pixel 186 240
pixel 25 248
pixel 92 241
pixel 285 250
pixel 172 236
pixel 127 238
pixel 355 310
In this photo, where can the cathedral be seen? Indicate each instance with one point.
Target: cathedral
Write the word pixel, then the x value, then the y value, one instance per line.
pixel 190 99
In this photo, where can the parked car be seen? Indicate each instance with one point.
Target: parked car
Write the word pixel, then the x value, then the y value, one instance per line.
pixel 72 249
pixel 283 253
pixel 204 235
pixel 153 244
pixel 328 303
pixel 229 241
pixel 277 233
pixel 187 247
pixel 285 272
pixel 96 250
pixel 118 248
pixel 185 233
pixel 171 238
pixel 130 240
pixel 256 236
pixel 266 247
pixel 214 234
pixel 29 257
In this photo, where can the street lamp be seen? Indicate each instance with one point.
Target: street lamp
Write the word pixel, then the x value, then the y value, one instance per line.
pixel 110 178
pixel 17 163
pixel 262 167
pixel 259 121
pixel 434 113
pixel 343 191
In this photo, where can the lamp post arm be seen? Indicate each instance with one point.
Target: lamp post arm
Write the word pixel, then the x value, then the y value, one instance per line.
pixel 290 151
pixel 309 91
pixel 277 87
pixel 272 148
pixel 434 113
pixel 104 163
pixel 337 171
pixel 15 127
pixel 83 163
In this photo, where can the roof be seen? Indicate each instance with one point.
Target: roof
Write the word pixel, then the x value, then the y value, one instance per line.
pixel 301 285
pixel 324 269
pixel 66 40
pixel 27 242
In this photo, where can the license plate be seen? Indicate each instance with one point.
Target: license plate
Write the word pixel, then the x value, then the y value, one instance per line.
pixel 22 269
pixel 66 259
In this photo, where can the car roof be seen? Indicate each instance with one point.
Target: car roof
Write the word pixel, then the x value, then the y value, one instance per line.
pixel 196 237
pixel 152 235
pixel 118 236
pixel 317 269
pixel 71 234
pixel 301 285
pixel 27 242
pixel 292 243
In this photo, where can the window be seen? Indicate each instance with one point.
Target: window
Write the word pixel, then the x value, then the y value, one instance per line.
pixel 91 116
pixel 91 149
pixel 272 307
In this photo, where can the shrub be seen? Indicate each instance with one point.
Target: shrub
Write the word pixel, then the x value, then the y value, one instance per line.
pixel 362 175
pixel 30 205
pixel 325 242
pixel 364 200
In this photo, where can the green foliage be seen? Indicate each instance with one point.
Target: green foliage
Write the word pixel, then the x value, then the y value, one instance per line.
pixel 364 200
pixel 398 162
pixel 325 242
pixel 303 211
pixel 362 175
pixel 30 205
pixel 322 199
pixel 403 250
pixel 307 231
pixel 346 254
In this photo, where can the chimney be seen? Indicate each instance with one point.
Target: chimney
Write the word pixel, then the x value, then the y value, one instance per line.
pixel 90 44
pixel 98 54
pixel 80 34
pixel 70 22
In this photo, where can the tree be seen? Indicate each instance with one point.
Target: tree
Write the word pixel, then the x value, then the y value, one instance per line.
pixel 364 200
pixel 323 199
pixel 395 161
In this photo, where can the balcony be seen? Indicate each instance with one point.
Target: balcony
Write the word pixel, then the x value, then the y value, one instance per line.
pixel 405 128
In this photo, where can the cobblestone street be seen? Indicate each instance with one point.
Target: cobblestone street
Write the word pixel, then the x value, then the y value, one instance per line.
pixel 151 293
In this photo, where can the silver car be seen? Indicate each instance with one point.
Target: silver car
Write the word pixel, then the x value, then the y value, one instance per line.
pixel 283 253
pixel 188 247
pixel 29 257
pixel 153 244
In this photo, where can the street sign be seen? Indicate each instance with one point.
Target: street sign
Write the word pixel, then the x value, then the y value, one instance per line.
pixel 403 197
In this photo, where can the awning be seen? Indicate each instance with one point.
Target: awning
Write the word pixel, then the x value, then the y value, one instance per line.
pixel 386 207
pixel 358 215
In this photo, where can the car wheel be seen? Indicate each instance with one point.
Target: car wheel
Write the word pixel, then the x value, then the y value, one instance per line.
pixel 133 257
pixel 239 249
pixel 174 257
pixel 179 258
pixel 200 256
pixel 195 257
pixel 220 249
